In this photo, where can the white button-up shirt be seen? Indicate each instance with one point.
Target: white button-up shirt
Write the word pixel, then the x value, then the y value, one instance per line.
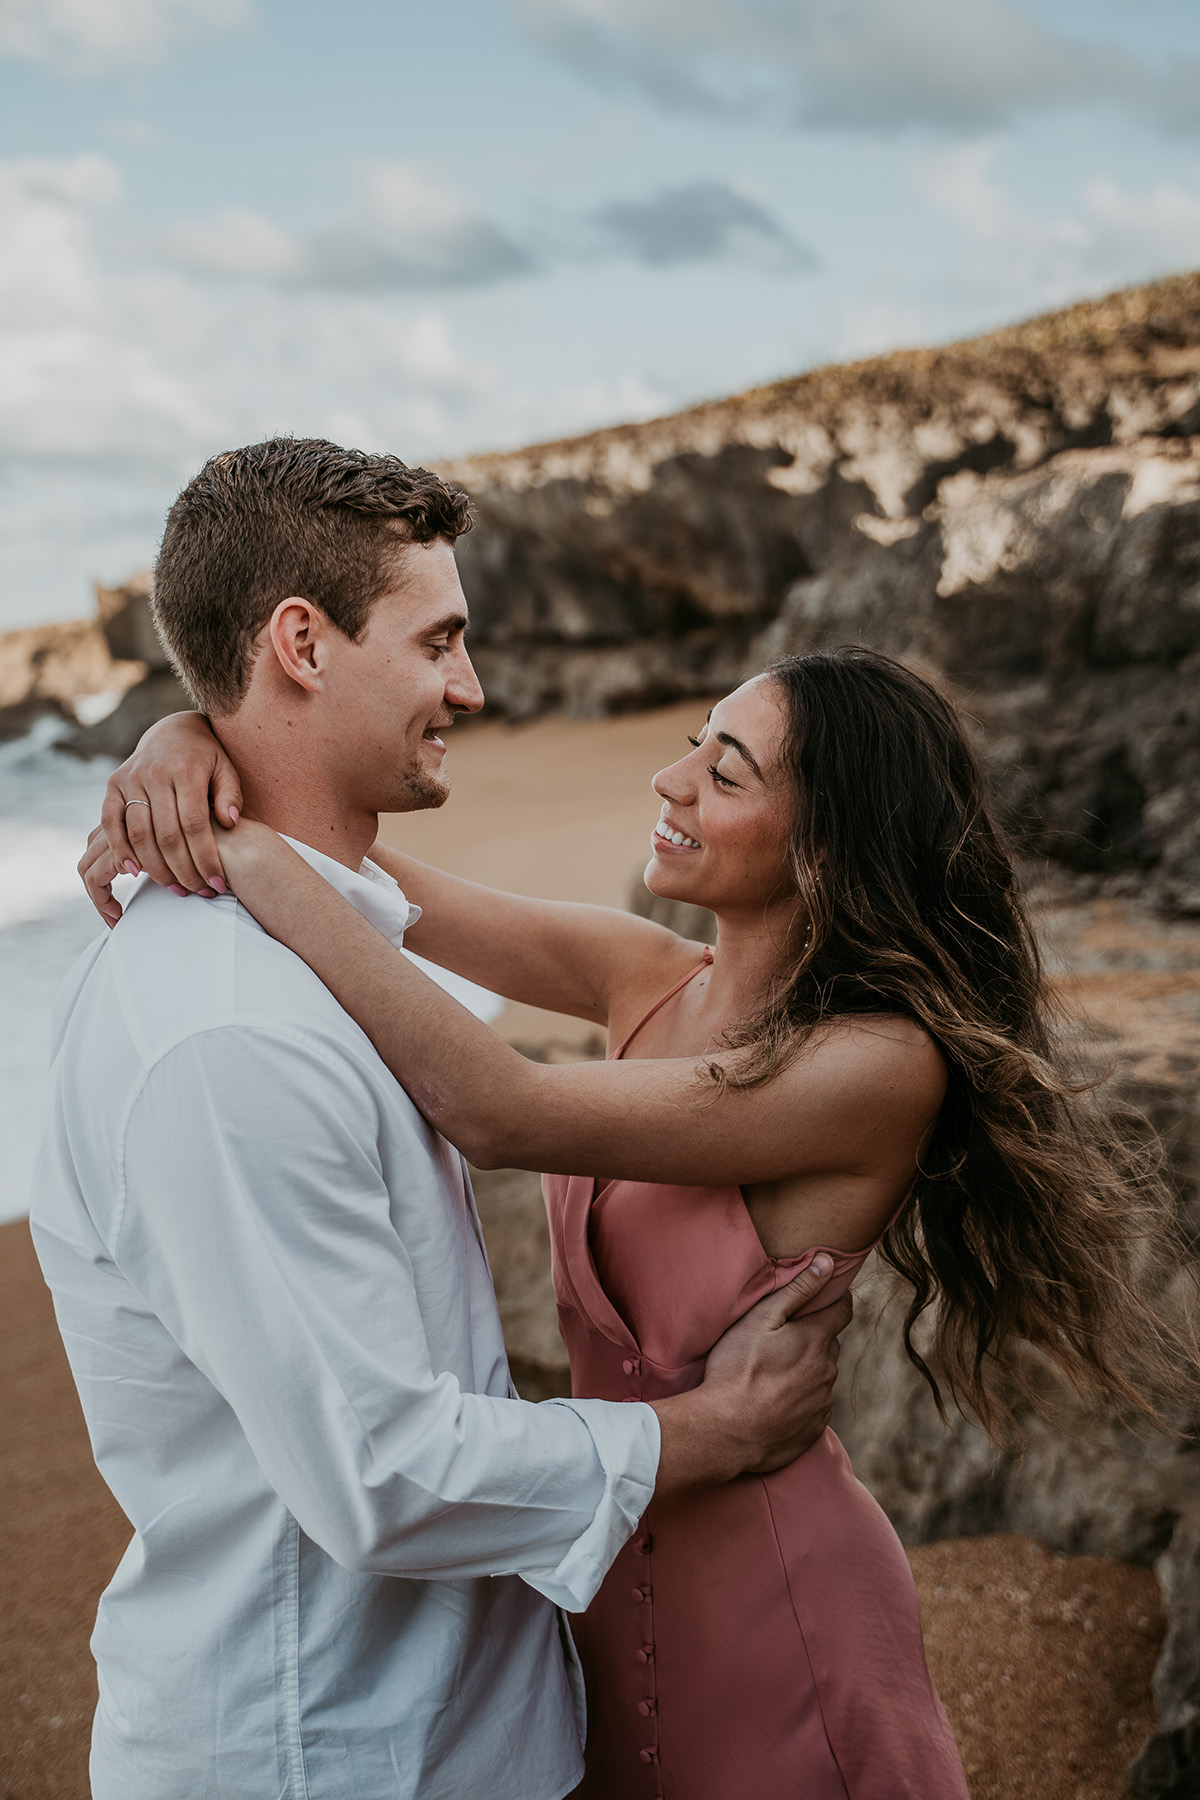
pixel 349 1539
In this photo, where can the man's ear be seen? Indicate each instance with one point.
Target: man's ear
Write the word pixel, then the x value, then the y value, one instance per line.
pixel 295 633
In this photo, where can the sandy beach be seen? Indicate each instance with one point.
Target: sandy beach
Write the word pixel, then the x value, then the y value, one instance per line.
pixel 1044 1661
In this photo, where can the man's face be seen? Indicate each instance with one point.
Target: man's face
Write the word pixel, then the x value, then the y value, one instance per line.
pixel 388 697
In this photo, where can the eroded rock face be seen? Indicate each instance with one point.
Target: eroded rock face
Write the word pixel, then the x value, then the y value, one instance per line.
pixel 1020 514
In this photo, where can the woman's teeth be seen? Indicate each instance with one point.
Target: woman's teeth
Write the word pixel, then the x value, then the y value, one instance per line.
pixel 675 837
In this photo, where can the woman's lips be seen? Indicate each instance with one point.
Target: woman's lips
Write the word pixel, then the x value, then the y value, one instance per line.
pixel 664 837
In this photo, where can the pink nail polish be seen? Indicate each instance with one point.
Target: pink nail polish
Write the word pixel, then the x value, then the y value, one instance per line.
pixel 234 814
pixel 176 889
pixel 206 893
pixel 131 867
pixel 219 885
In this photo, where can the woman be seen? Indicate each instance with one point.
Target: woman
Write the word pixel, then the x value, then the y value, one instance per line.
pixel 863 1059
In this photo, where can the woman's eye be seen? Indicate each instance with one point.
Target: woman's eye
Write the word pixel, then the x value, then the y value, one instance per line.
pixel 694 742
pixel 717 776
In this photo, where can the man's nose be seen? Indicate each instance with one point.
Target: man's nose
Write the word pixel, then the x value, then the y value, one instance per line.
pixel 463 691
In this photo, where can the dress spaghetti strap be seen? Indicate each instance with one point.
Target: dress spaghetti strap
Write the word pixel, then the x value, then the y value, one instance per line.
pixel 670 994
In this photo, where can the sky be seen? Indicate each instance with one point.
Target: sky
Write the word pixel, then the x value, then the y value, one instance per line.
pixel 442 228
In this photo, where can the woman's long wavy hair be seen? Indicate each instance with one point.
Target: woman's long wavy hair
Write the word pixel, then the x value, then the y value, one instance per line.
pixel 1033 1217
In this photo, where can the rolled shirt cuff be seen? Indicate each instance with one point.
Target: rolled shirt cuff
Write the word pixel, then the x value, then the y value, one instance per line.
pixel 627 1441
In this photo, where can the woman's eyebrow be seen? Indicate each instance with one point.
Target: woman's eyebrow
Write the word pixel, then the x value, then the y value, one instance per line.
pixel 723 737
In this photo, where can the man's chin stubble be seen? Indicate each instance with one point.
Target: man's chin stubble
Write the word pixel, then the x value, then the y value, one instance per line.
pixel 419 792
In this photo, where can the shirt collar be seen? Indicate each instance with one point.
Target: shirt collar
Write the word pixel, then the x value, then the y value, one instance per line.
pixel 370 891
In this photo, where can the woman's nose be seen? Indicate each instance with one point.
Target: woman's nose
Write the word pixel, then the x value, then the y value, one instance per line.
pixel 674 784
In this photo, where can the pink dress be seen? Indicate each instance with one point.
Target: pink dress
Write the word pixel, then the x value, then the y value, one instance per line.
pixel 759 1640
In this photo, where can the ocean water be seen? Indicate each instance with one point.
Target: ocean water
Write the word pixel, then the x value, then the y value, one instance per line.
pixel 48 804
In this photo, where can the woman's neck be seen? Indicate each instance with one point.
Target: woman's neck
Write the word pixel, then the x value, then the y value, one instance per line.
pixel 750 951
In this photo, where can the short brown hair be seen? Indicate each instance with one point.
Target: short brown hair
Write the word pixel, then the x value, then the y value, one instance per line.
pixel 289 516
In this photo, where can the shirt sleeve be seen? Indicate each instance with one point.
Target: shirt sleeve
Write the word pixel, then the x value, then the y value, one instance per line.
pixel 257 1225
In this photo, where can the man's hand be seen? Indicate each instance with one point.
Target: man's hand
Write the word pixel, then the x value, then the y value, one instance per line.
pixel 767 1391
pixel 156 814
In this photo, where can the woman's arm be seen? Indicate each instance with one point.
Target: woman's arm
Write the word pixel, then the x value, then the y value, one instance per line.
pixel 551 953
pixel 857 1103
pixel 546 953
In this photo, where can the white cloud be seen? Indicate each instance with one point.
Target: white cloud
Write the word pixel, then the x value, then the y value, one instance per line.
pixel 104 355
pixel 236 242
pixel 1016 260
pixel 97 37
pixel 404 230
pixel 874 66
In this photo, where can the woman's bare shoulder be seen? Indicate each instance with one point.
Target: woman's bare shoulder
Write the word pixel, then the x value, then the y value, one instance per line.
pixel 888 1056
pixel 660 963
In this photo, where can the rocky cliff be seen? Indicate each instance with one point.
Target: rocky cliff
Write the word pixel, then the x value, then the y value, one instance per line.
pixel 1019 513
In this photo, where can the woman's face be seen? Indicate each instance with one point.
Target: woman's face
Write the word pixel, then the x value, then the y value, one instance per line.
pixel 730 803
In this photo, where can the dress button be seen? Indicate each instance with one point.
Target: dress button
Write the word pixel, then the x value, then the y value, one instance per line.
pixel 649 1755
pixel 647 1708
pixel 645 1654
pixel 645 1545
pixel 641 1593
pixel 632 1365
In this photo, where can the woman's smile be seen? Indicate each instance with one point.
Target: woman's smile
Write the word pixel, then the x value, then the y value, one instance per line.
pixel 668 838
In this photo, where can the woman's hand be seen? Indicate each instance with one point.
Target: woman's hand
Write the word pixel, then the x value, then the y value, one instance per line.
pixel 156 814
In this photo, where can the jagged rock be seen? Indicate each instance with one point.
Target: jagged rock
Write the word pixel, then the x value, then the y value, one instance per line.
pixel 1020 513
pixel 52 668
pixel 1169 1766
pixel 125 619
pixel 127 623
pixel 117 734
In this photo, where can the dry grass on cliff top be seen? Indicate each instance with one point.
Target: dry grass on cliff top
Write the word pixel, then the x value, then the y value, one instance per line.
pixel 1044 1661
pixel 1137 321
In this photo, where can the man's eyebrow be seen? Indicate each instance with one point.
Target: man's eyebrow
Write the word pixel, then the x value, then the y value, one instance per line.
pixel 723 737
pixel 452 623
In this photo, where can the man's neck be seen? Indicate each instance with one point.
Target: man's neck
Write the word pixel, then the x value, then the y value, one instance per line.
pixel 297 799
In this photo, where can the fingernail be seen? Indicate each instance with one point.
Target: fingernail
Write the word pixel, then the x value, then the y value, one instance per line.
pixel 207 893
pixel 234 814
pixel 132 867
pixel 176 889
pixel 822 1266
pixel 218 885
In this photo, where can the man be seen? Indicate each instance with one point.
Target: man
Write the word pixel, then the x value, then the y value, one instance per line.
pixel 350 1539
